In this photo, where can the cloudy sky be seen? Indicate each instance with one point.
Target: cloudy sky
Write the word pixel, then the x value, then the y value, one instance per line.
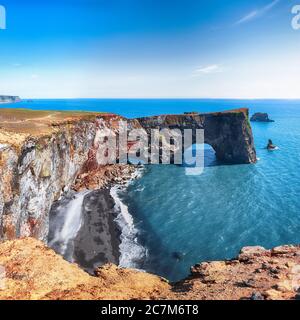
pixel 150 48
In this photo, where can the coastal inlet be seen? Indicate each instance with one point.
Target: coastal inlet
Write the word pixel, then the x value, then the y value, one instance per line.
pixel 47 155
pixel 92 228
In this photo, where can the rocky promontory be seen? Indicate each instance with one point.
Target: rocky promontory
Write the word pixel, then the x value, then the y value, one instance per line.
pixel 229 132
pixel 30 270
pixel 41 154
pixel 9 99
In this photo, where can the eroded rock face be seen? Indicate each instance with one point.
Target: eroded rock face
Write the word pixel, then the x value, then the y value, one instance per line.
pixel 33 271
pixel 256 274
pixel 34 176
pixel 41 154
pixel 229 133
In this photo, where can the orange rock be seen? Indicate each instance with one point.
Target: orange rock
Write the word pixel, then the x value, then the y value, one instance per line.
pixel 33 271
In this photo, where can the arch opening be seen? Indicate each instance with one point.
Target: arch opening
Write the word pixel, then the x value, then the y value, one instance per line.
pixel 210 159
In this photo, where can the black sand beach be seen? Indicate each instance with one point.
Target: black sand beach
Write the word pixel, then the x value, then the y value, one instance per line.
pixel 85 233
pixel 97 241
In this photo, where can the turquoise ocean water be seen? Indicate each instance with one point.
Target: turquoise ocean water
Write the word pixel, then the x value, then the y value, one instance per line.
pixel 183 220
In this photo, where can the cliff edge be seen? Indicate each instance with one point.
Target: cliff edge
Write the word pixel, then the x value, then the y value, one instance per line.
pixel 30 270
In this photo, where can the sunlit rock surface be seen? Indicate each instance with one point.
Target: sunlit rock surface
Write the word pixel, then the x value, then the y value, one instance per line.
pixel 33 271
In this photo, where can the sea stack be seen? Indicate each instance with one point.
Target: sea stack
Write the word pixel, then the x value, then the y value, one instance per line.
pixel 261 117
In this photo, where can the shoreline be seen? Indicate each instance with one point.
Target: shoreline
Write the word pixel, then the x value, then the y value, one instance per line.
pixel 132 253
pixel 107 233
pixel 97 241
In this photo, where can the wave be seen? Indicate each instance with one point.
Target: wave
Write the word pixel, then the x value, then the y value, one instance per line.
pixel 132 254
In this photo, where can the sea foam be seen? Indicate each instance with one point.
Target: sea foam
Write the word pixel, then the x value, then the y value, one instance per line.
pixel 131 252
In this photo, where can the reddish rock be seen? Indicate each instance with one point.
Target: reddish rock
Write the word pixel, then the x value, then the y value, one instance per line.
pixel 34 271
pixel 287 249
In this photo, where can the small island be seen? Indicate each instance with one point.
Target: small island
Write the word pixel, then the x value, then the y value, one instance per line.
pixel 261 117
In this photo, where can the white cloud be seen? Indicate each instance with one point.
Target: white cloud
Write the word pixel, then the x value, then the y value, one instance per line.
pixel 214 68
pixel 257 13
pixel 250 16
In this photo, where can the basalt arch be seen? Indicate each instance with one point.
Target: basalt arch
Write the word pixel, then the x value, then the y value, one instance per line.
pixel 229 133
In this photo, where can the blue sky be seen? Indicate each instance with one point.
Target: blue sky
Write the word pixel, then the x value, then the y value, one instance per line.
pixel 150 48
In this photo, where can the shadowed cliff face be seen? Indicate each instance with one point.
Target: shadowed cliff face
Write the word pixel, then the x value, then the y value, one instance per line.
pixel 229 133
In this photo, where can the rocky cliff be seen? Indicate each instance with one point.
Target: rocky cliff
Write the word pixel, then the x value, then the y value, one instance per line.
pixel 9 99
pixel 30 270
pixel 42 153
pixel 229 132
pixel 40 156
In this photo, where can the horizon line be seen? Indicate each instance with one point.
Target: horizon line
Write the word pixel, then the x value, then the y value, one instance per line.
pixel 150 98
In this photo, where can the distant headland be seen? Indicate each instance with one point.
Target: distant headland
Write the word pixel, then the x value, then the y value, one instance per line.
pixel 9 99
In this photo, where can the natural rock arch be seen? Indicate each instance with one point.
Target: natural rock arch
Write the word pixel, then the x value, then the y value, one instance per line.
pixel 229 133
